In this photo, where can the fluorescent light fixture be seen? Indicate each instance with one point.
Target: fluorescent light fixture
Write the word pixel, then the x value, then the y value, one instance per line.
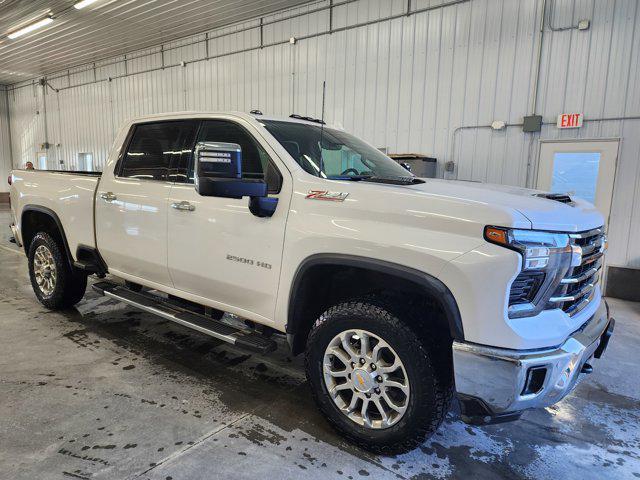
pixel 30 28
pixel 83 3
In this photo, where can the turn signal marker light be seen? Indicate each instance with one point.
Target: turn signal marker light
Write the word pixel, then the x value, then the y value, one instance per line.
pixel 496 235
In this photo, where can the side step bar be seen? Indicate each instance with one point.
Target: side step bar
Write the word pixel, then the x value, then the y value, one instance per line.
pixel 86 266
pixel 214 328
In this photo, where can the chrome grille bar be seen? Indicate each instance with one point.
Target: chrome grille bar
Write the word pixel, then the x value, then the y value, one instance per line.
pixel 591 258
pixel 577 289
pixel 578 306
pixel 580 278
pixel 594 247
pixel 576 296
pixel 588 233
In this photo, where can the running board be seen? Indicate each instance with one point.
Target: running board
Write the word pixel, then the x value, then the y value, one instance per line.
pixel 163 308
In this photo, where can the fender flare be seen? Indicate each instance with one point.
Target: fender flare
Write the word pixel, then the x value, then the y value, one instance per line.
pixel 431 285
pixel 55 218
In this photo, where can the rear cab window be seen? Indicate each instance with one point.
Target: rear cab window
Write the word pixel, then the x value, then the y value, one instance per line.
pixel 156 148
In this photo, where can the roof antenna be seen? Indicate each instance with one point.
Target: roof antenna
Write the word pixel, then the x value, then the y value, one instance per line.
pixel 324 87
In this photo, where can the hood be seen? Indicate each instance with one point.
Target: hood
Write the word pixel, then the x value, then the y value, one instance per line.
pixel 543 213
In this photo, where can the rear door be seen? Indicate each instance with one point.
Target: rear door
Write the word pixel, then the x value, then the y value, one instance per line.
pixel 131 203
pixel 218 250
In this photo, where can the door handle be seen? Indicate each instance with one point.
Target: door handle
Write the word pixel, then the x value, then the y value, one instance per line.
pixel 185 206
pixel 108 196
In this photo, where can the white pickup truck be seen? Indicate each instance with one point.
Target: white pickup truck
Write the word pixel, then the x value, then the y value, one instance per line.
pixel 400 291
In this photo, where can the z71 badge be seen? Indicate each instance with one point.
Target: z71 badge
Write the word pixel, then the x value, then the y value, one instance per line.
pixel 327 195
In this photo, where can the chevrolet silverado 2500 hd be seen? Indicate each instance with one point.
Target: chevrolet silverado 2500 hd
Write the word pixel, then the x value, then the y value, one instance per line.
pixel 400 291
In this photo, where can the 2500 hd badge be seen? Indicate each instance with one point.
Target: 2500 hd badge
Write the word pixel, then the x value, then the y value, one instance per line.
pixel 249 261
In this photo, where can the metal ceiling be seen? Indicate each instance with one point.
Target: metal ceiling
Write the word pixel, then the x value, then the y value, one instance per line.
pixel 108 28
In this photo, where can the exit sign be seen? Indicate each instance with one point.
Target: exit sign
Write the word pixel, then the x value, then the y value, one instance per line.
pixel 569 120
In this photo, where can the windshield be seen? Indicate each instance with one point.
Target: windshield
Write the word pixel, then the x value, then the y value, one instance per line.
pixel 340 155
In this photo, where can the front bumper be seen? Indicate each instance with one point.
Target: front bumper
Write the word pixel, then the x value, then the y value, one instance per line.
pixel 496 384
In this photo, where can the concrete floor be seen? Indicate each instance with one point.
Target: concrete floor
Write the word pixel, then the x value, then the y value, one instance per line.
pixel 107 392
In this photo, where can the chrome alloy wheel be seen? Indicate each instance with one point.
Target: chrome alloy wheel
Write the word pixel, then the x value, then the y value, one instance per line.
pixel 44 268
pixel 366 379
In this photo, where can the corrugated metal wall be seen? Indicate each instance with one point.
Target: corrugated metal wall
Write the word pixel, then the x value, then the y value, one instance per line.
pixel 5 140
pixel 405 82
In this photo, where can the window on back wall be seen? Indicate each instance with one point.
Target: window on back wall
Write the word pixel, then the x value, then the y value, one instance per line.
pixel 42 160
pixel 85 162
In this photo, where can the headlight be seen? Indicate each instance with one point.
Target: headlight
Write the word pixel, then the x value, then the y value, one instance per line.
pixel 546 258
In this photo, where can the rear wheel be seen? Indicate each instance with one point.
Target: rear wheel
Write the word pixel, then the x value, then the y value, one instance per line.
pixel 54 282
pixel 374 378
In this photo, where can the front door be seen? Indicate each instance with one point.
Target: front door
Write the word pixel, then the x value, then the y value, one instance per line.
pixel 220 254
pixel 584 169
pixel 131 203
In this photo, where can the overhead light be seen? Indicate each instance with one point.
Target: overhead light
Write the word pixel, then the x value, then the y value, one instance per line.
pixel 30 28
pixel 83 3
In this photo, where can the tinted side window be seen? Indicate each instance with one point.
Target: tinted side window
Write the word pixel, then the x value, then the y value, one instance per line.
pixel 155 147
pixel 255 160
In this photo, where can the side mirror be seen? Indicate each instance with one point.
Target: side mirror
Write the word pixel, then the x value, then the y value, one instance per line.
pixel 219 172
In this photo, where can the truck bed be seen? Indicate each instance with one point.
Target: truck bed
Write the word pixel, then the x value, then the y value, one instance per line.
pixel 68 172
pixel 70 195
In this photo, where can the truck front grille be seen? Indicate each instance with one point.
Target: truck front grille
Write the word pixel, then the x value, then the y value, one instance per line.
pixel 576 289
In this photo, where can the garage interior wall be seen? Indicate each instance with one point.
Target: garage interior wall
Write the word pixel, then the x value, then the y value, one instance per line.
pixel 428 80
pixel 5 142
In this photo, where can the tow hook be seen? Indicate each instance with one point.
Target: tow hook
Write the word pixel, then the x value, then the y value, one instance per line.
pixel 586 368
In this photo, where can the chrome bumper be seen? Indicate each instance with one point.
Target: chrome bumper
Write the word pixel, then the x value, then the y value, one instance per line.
pixel 495 384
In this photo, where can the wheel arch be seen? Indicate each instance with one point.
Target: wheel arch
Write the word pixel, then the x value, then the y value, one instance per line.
pixel 35 218
pixel 308 293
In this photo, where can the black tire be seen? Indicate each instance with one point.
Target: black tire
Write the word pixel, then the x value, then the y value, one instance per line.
pixel 428 373
pixel 70 284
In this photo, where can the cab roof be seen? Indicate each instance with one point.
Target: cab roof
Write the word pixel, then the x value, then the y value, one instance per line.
pixel 251 117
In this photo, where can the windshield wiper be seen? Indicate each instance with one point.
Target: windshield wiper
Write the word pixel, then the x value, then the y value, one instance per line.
pixel 376 179
pixel 354 178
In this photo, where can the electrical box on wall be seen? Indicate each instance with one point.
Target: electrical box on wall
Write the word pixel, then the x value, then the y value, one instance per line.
pixel 532 123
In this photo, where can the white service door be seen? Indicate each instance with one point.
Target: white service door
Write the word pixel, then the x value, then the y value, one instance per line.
pixel 219 251
pixel 584 169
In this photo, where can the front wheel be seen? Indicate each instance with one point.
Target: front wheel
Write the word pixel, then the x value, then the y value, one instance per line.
pixel 376 381
pixel 54 282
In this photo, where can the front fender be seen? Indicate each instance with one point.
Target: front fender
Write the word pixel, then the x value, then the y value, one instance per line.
pixel 298 324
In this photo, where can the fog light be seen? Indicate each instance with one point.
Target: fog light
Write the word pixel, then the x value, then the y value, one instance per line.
pixel 534 381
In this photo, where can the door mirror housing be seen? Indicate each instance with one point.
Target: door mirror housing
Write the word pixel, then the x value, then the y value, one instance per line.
pixel 231 187
pixel 219 172
pixel 263 206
